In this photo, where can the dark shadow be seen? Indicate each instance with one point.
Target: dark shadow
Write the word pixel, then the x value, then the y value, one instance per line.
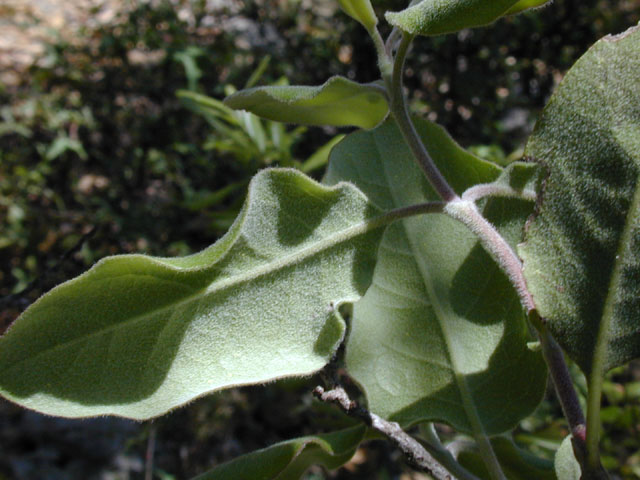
pixel 300 212
pixel 584 208
pixel 480 289
pixel 507 382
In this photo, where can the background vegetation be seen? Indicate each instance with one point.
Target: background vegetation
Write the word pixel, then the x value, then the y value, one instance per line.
pixel 99 155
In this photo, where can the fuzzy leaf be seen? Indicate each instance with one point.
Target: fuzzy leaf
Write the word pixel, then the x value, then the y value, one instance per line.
pixel 338 102
pixel 440 331
pixel 582 252
pixel 516 463
pixel 518 180
pixel 437 17
pixel 289 460
pixel 565 463
pixel 136 336
pixel 360 10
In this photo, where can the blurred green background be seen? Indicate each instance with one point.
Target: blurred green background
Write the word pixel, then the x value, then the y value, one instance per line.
pixel 113 140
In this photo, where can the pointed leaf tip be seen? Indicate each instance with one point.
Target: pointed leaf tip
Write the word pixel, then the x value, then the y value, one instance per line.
pixel 360 10
pixel 136 336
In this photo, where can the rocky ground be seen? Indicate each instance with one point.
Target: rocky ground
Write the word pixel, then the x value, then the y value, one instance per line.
pixel 26 26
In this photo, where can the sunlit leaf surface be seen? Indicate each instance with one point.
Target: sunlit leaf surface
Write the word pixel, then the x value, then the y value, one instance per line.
pixel 338 102
pixel 136 336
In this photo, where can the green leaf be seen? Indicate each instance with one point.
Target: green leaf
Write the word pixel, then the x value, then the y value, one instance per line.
pixel 136 336
pixel 63 144
pixel 338 102
pixel 437 17
pixel 524 178
pixel 516 463
pixel 289 460
pixel 518 180
pixel 582 252
pixel 566 465
pixel 440 334
pixel 360 10
pixel 205 105
pixel 526 5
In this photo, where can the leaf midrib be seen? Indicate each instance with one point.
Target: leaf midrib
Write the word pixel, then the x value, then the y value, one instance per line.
pixel 608 314
pixel 440 313
pixel 298 256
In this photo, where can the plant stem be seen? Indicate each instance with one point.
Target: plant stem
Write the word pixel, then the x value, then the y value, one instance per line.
pixel 433 445
pixel 482 190
pixel 466 212
pixel 413 450
pixel 594 386
pixel 391 216
pixel 384 58
pixel 400 112
pixel 562 382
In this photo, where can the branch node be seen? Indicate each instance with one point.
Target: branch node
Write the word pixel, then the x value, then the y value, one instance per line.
pixel 415 453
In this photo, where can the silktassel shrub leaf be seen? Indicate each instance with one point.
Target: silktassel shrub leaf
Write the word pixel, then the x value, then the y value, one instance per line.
pixel 360 10
pixel 136 336
pixel 289 460
pixel 518 180
pixel 440 334
pixel 565 463
pixel 339 102
pixel 582 252
pixel 437 17
pixel 516 463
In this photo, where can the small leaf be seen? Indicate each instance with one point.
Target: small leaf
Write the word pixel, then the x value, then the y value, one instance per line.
pixel 63 144
pixel 136 336
pixel 360 10
pixel 582 252
pixel 440 331
pixel 523 178
pixel 516 463
pixel 289 460
pixel 526 5
pixel 206 106
pixel 518 180
pixel 566 465
pixel 339 102
pixel 437 17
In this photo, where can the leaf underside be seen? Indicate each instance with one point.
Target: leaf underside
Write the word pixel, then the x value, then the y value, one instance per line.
pixel 338 102
pixel 566 465
pixel 440 334
pixel 582 252
pixel 516 463
pixel 289 460
pixel 136 336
